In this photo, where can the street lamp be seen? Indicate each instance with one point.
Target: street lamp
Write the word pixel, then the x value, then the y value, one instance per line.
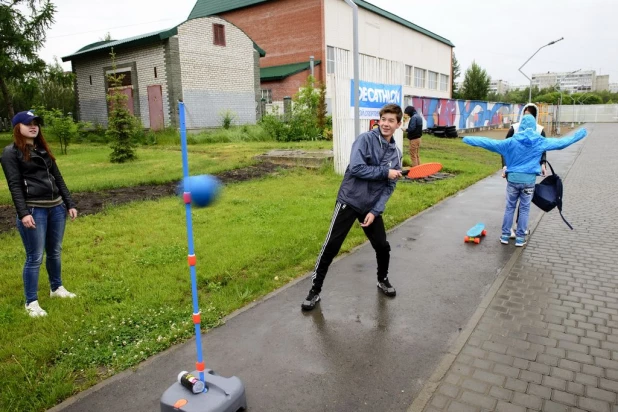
pixel 529 79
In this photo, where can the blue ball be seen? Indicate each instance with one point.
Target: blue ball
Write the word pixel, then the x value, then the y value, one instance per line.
pixel 204 189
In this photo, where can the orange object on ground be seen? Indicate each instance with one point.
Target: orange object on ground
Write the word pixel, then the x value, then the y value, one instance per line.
pixel 424 170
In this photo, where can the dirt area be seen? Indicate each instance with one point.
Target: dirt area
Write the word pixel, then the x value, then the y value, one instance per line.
pixel 89 203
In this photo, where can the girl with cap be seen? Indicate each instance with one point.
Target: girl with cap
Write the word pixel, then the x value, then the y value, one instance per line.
pixel 42 202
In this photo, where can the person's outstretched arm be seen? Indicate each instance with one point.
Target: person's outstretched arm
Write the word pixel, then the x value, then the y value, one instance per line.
pixel 496 146
pixel 559 144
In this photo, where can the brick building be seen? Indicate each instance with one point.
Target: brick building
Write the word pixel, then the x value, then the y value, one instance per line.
pixel 293 30
pixel 208 62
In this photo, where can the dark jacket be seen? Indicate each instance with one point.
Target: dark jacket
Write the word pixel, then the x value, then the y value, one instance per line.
pixel 415 126
pixel 366 186
pixel 36 179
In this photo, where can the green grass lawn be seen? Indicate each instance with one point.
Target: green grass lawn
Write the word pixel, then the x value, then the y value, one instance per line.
pixel 87 168
pixel 128 263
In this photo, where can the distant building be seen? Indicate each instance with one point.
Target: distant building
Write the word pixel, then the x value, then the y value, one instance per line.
pixel 499 86
pixel 613 87
pixel 602 83
pixel 581 81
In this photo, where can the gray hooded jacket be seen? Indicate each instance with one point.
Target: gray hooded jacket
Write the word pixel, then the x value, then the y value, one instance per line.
pixel 366 186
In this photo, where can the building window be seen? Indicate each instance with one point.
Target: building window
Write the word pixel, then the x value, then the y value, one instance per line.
pixel 124 75
pixel 330 60
pixel 433 80
pixel 91 80
pixel 267 95
pixel 155 72
pixel 443 83
pixel 419 78
pixel 408 75
pixel 219 34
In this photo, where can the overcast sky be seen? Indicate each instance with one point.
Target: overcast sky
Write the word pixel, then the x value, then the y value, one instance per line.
pixel 500 34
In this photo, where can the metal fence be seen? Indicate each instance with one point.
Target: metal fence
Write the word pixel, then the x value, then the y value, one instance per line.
pixel 591 113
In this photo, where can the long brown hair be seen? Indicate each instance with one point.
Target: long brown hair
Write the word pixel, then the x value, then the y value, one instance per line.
pixel 20 142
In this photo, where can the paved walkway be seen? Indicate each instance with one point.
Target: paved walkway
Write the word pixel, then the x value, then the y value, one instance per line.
pixel 361 351
pixel 549 339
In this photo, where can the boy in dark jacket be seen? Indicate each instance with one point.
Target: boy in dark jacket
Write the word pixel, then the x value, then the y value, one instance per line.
pixel 369 181
pixel 414 132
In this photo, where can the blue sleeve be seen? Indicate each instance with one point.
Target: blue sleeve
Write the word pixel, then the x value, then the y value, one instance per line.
pixel 497 146
pixel 380 205
pixel 358 162
pixel 559 144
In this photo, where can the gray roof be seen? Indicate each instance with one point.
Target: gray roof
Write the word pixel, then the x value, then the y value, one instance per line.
pixel 105 45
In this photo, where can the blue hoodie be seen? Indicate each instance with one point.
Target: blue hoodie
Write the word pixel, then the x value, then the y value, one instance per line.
pixel 366 186
pixel 522 152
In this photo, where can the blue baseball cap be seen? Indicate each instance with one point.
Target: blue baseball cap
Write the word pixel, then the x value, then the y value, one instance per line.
pixel 25 118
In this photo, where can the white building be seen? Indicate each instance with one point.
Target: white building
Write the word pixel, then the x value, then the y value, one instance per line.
pixel 583 80
pixel 499 86
pixel 613 87
pixel 393 50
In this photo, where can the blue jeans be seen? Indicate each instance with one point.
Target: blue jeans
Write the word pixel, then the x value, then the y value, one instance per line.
pixel 522 192
pixel 47 235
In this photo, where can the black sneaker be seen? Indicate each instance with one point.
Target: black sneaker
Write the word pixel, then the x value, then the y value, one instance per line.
pixel 311 300
pixel 386 288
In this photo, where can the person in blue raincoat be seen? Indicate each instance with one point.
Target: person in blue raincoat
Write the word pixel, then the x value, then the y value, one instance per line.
pixel 522 154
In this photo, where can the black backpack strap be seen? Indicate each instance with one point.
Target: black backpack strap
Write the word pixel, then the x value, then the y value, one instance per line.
pixel 565 221
pixel 551 168
pixel 559 205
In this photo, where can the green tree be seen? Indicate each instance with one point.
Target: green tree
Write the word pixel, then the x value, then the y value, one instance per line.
pixel 455 73
pixel 22 34
pixel 122 125
pixel 475 84
pixel 56 89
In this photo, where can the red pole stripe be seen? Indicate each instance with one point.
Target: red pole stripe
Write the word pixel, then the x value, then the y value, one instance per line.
pixel 196 318
pixel 192 260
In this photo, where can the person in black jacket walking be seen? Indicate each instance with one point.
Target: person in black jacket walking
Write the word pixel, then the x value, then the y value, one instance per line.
pixel 42 201
pixel 369 181
pixel 414 132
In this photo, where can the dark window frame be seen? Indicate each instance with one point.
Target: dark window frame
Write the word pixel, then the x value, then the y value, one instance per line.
pixel 218 31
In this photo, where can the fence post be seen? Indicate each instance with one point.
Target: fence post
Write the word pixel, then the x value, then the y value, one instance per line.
pixel 287 108
pixel 262 107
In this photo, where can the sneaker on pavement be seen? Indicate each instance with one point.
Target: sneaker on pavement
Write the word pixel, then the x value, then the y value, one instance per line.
pixel 513 235
pixel 311 300
pixel 34 310
pixel 520 241
pixel 386 288
pixel 61 292
pixel 504 239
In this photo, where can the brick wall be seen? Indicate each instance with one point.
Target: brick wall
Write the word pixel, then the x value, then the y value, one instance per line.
pixel 142 60
pixel 288 30
pixel 288 86
pixel 216 79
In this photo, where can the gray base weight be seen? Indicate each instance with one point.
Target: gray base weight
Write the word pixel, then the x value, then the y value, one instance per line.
pixel 224 395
